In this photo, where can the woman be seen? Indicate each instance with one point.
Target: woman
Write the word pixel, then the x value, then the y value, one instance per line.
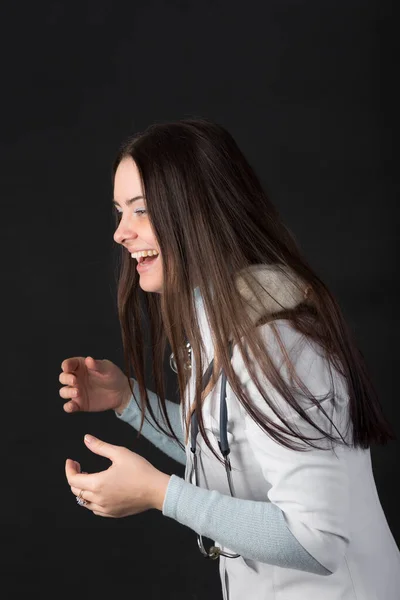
pixel 225 284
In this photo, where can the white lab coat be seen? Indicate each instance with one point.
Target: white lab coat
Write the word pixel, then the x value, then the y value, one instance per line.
pixel 330 502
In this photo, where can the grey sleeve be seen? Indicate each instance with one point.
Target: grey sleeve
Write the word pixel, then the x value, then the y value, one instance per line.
pixel 256 530
pixel 132 415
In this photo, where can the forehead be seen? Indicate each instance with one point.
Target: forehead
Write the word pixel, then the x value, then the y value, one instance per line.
pixel 127 183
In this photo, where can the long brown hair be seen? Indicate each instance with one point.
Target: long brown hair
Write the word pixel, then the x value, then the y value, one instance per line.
pixel 212 219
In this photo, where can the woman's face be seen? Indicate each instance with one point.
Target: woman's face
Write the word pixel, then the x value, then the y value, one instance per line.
pixel 134 231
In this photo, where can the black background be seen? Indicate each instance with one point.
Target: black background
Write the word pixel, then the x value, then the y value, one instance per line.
pixel 307 88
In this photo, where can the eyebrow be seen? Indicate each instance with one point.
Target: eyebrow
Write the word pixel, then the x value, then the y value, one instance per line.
pixel 130 201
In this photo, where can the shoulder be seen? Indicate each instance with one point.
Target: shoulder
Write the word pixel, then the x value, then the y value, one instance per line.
pixel 289 349
pixel 284 342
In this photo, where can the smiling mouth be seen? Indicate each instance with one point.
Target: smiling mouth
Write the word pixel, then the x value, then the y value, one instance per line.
pixel 145 260
pixel 147 255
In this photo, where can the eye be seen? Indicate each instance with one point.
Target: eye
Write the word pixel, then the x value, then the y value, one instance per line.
pixel 138 211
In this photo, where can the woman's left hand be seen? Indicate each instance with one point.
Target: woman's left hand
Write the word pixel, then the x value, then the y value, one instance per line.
pixel 129 486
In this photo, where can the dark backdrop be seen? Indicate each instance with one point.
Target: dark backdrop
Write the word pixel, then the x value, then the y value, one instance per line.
pixel 306 89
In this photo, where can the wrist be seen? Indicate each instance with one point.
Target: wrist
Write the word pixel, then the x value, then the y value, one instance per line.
pixel 160 490
pixel 124 402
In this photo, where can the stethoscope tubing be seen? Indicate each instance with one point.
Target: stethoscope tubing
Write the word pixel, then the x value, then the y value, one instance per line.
pixel 214 551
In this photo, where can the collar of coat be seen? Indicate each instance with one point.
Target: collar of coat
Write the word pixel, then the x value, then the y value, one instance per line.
pixel 270 288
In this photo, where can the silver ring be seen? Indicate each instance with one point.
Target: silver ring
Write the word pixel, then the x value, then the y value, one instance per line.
pixel 81 501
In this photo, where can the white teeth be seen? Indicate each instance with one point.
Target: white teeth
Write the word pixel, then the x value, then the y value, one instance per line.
pixel 143 253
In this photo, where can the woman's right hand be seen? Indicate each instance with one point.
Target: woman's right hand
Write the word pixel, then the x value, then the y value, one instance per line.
pixel 93 385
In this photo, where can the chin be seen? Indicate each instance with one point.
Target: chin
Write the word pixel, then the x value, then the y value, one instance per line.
pixel 149 286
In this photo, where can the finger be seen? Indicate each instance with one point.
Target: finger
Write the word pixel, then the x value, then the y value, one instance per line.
pixel 70 364
pixel 67 378
pixel 71 407
pixel 102 448
pixel 73 394
pixel 72 465
pixel 82 481
pixel 69 392
pixel 85 494
pixel 97 509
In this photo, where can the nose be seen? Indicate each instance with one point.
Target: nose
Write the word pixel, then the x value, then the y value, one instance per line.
pixel 122 233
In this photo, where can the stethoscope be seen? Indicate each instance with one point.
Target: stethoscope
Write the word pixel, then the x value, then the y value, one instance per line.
pixel 214 552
